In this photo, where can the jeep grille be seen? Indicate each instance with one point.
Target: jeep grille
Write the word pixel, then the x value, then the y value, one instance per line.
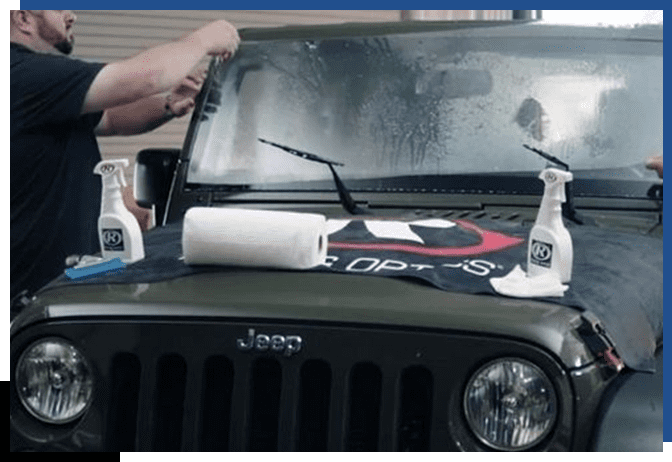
pixel 173 385
pixel 312 397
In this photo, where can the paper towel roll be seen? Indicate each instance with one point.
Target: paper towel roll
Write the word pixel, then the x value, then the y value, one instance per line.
pixel 227 236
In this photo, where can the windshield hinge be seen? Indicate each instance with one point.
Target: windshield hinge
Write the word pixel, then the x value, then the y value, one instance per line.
pixel 598 342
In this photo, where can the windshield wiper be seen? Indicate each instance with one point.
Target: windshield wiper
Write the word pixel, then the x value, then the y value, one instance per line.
pixel 548 156
pixel 568 209
pixel 343 193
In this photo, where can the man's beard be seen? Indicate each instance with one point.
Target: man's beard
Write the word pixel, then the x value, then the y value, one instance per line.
pixel 64 46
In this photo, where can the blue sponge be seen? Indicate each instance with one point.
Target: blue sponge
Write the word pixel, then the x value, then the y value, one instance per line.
pixel 114 264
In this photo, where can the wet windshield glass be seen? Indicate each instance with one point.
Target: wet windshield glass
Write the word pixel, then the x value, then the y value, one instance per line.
pixel 435 103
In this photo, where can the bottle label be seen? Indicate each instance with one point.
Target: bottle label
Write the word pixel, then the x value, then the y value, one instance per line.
pixel 541 253
pixel 113 239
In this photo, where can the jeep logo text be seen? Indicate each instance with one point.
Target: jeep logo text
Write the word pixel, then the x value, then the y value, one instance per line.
pixel 288 345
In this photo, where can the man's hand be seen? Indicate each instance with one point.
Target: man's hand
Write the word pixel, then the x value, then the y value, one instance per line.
pixel 219 38
pixel 655 163
pixel 143 215
pixel 149 113
pixel 182 98
pixel 158 69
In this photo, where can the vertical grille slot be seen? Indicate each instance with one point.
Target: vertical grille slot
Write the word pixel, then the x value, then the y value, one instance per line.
pixel 264 405
pixel 315 390
pixel 169 405
pixel 217 388
pixel 363 421
pixel 415 417
pixel 122 418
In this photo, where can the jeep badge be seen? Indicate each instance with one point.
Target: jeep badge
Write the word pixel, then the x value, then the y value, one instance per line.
pixel 287 345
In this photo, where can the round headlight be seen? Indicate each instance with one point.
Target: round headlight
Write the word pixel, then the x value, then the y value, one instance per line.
pixel 54 381
pixel 510 404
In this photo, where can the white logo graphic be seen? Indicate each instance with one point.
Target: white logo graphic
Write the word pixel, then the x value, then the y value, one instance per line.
pixel 113 239
pixel 477 267
pixel 107 168
pixel 392 229
pixel 550 177
pixel 541 253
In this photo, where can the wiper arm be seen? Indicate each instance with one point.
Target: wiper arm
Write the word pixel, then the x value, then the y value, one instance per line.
pixel 548 156
pixel 343 193
pixel 568 209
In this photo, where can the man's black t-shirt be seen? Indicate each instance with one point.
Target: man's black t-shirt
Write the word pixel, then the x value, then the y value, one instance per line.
pixel 54 194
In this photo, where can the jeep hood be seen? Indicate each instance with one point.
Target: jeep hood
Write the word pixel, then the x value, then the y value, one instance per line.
pixel 617 277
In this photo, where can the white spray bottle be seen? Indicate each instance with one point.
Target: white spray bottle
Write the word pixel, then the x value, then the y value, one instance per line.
pixel 550 244
pixel 118 230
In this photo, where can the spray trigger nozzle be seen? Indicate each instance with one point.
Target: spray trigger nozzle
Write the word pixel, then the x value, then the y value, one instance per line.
pixel 554 182
pixel 112 170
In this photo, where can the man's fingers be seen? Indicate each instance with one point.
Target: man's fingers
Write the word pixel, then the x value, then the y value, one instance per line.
pixel 183 106
pixel 220 38
pixel 196 79
pixel 192 83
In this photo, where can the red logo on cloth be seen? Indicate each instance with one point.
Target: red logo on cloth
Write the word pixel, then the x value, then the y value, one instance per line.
pixel 490 241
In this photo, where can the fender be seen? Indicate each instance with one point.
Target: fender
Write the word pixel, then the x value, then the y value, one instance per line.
pixel 631 414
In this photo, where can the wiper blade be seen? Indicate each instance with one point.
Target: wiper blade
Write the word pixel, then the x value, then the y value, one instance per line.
pixel 302 154
pixel 343 193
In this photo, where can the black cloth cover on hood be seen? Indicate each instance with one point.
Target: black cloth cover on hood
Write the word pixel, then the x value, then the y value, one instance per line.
pixel 616 276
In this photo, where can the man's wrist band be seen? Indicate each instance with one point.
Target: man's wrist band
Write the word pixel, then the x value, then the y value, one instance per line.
pixel 169 114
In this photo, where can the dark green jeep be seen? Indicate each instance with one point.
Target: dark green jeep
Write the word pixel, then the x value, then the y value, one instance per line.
pixel 422 144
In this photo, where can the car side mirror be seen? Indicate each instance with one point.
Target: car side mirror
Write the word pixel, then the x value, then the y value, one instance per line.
pixel 152 178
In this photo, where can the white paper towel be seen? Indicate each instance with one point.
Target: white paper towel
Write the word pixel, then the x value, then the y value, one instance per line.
pixel 272 239
pixel 518 284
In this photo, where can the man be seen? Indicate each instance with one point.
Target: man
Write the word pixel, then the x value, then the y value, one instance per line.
pixel 58 106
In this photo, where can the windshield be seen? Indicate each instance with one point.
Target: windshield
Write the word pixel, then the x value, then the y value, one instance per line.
pixel 448 102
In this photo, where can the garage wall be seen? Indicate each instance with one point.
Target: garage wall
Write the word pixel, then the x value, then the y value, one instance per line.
pixel 107 36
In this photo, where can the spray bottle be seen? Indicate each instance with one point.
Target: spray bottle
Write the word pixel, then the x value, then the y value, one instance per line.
pixel 550 244
pixel 118 230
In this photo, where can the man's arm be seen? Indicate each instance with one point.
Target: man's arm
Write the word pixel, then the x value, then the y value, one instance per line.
pixel 151 112
pixel 134 118
pixel 158 69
